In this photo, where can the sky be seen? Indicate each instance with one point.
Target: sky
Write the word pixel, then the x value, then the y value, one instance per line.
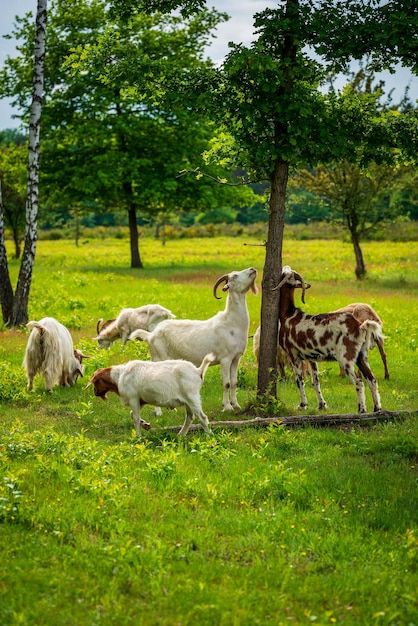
pixel 238 29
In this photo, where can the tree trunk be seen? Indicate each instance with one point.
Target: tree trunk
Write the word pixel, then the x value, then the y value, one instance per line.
pixel 16 241
pixel 77 229
pixel 267 370
pixel 21 299
pixel 133 232
pixel 360 266
pixel 6 289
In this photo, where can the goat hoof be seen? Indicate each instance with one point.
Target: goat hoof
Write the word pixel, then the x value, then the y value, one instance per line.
pixel 145 425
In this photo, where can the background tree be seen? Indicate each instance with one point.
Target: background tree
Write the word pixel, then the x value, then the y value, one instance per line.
pixel 268 99
pixel 15 306
pixel 13 174
pixel 362 197
pixel 358 199
pixel 110 145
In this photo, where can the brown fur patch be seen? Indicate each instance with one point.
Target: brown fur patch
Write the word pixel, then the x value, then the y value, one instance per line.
pixel 326 338
pixel 103 383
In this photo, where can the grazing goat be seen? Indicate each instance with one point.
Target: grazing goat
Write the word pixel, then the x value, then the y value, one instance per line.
pixel 363 312
pixel 167 383
pixel 225 334
pixel 283 359
pixel 325 337
pixel 50 352
pixel 128 320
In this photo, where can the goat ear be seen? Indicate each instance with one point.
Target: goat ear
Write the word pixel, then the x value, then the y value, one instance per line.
pixel 304 287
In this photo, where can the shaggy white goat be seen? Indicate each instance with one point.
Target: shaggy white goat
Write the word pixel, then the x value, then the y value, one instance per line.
pixel 225 334
pixel 128 320
pixel 363 312
pixel 50 352
pixel 336 336
pixel 168 383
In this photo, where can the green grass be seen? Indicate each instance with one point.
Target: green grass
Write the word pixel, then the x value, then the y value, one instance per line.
pixel 253 526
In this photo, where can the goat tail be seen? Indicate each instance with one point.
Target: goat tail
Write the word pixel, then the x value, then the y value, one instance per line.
pixel 207 361
pixel 140 333
pixel 373 332
pixel 37 325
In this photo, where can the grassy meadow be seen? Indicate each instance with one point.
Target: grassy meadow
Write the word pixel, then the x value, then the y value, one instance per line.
pixel 251 526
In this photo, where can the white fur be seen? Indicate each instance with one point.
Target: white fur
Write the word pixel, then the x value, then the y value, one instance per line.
pixel 50 352
pixel 170 384
pixel 225 335
pixel 128 320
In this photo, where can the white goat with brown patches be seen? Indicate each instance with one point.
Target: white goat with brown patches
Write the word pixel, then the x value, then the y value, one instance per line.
pixel 363 312
pixel 225 334
pixel 50 352
pixel 170 383
pixel 146 317
pixel 336 336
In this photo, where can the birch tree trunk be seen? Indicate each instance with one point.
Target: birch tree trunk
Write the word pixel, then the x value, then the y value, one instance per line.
pixel 21 298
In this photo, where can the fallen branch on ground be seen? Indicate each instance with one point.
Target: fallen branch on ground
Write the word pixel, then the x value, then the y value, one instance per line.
pixel 303 420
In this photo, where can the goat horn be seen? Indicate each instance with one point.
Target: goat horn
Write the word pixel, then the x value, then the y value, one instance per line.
pixel 82 355
pixel 287 271
pixel 222 279
pixel 99 325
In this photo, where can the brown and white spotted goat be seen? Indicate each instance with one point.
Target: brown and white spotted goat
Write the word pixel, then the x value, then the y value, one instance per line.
pixel 336 336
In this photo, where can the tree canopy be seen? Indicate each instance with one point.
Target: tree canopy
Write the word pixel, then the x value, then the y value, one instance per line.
pixel 109 145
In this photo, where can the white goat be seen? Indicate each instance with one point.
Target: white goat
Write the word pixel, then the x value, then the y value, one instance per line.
pixel 128 320
pixel 363 312
pixel 225 334
pixel 336 336
pixel 50 352
pixel 168 383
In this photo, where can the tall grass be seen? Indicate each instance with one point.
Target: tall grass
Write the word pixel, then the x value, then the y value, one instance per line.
pixel 269 526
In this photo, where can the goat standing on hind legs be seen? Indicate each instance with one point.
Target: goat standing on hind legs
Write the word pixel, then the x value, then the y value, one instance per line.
pixel 336 336
pixel 225 334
